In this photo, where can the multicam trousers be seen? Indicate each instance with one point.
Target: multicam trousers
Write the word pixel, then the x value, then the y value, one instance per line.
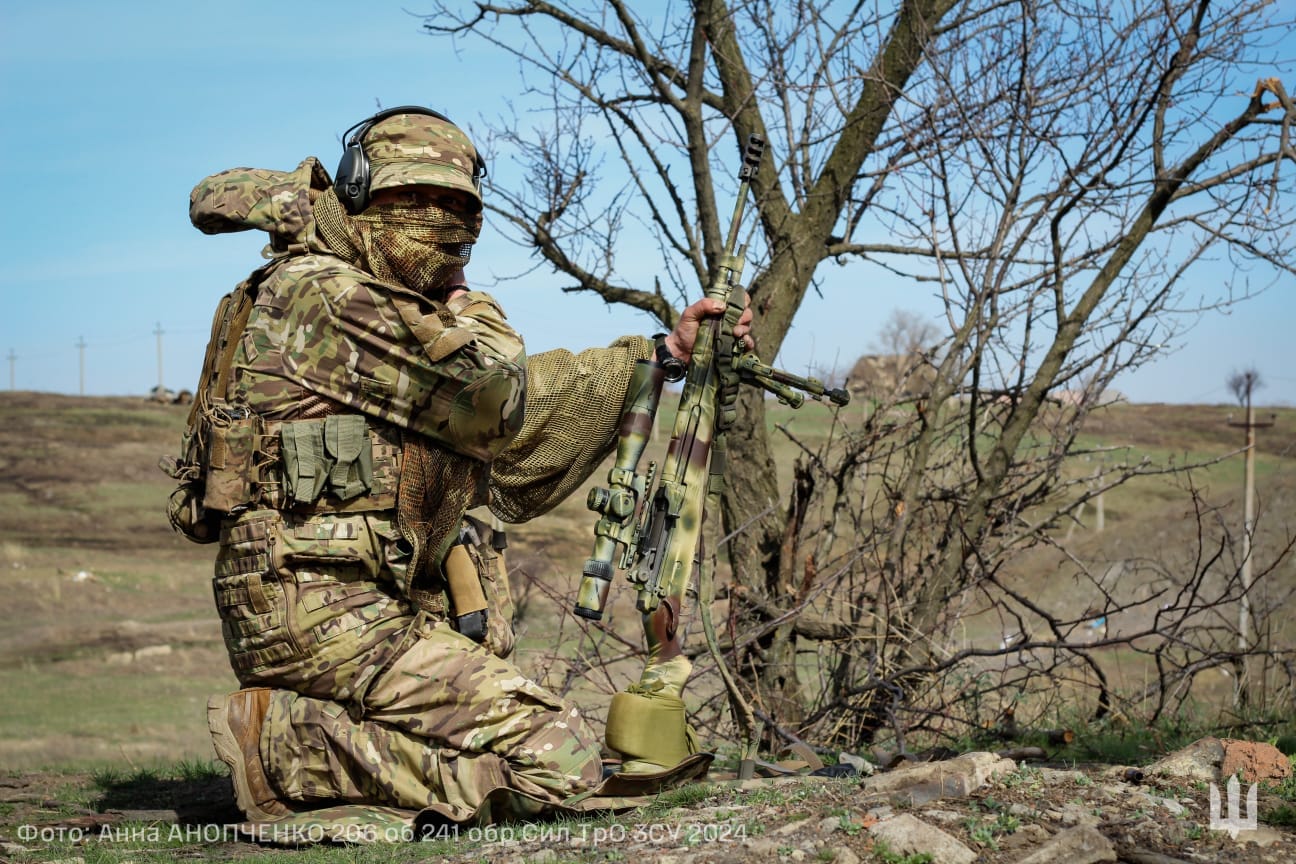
pixel 376 703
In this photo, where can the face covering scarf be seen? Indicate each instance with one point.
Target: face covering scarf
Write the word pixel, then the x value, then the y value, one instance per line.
pixel 415 245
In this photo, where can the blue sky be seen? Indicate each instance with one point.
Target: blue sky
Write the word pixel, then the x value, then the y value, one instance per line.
pixel 112 112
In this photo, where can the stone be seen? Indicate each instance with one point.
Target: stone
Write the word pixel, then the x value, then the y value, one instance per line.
pixel 762 848
pixel 859 763
pixel 1262 835
pixel 789 828
pixel 1077 814
pixel 1082 845
pixel 1254 762
pixel 1170 804
pixel 928 781
pixel 1026 835
pixel 843 855
pixel 1024 811
pixel 1210 760
pixel 829 825
pixel 1200 760
pixel 908 835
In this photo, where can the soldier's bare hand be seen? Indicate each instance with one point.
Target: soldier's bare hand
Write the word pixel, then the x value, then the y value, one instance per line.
pixel 680 340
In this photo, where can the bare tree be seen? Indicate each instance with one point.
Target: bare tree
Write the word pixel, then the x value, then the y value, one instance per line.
pixel 1244 383
pixel 906 332
pixel 1054 171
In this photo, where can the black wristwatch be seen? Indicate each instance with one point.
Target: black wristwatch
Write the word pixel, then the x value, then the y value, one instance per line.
pixel 675 368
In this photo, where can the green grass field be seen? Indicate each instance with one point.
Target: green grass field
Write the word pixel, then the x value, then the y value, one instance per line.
pixel 110 644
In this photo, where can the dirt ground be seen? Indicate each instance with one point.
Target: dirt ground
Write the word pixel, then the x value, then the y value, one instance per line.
pixel 109 648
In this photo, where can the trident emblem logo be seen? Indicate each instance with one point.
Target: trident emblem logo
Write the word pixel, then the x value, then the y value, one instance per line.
pixel 1233 824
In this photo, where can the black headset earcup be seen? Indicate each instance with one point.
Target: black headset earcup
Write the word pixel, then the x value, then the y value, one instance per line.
pixel 351 180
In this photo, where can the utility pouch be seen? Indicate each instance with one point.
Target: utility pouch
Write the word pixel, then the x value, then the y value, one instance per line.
pixel 184 507
pixel 232 437
pixel 332 455
pixel 305 469
pixel 346 442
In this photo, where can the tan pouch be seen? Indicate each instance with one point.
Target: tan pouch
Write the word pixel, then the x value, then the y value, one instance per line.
pixel 185 508
pixel 188 516
pixel 233 435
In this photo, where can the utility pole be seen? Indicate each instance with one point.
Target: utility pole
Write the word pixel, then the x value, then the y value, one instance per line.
pixel 161 388
pixel 12 359
pixel 1241 695
pixel 81 346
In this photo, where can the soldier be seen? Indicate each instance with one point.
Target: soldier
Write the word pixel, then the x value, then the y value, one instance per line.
pixel 356 402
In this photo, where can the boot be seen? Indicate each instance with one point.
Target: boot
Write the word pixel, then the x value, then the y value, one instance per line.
pixel 235 724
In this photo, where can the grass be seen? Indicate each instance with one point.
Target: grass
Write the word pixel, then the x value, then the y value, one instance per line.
pixel 80 491
pixel 882 852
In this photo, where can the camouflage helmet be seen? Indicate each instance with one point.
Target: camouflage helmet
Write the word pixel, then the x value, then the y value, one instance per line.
pixel 406 146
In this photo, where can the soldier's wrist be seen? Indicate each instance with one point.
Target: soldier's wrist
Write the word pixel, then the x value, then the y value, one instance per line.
pixel 667 355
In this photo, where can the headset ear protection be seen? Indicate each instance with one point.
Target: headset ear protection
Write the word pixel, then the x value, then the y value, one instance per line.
pixel 352 178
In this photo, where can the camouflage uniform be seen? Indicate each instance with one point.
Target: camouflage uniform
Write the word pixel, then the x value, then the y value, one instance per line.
pixel 323 594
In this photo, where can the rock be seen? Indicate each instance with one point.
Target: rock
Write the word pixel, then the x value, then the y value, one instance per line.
pixel 927 781
pixel 843 855
pixel 829 825
pixel 1211 760
pixel 1082 845
pixel 1026 835
pixel 762 848
pixel 1254 762
pixel 152 651
pixel 1076 814
pixel 789 828
pixel 908 835
pixel 17 848
pixel 1169 804
pixel 1056 776
pixel 1261 835
pixel 1024 811
pixel 859 763
pixel 1200 760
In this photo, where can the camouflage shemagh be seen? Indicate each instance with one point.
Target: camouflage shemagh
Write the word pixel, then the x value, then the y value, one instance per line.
pixel 415 245
pixel 436 488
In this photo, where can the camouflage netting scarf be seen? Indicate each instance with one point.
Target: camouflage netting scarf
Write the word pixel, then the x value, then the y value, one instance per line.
pixel 417 246
pixel 437 486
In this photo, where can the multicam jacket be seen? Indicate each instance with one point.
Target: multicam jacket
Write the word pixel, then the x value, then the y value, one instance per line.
pixel 324 336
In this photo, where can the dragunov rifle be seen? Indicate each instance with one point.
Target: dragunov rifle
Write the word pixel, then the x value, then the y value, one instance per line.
pixel 656 517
